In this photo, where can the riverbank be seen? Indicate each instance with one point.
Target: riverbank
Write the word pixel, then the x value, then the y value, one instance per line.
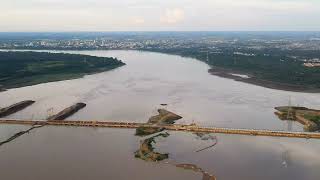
pixel 250 79
pixel 214 70
pixel 19 69
pixel 309 118
pixel 274 74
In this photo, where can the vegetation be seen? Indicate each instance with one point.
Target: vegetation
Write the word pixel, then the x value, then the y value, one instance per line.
pixel 313 118
pixel 310 118
pixel 164 117
pixel 145 131
pixel 271 59
pixel 146 150
pixel 268 65
pixel 29 68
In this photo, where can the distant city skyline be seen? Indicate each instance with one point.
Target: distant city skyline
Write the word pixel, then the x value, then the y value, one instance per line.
pixel 159 15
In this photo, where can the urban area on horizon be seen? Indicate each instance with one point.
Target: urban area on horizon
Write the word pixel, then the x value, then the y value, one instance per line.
pixel 209 89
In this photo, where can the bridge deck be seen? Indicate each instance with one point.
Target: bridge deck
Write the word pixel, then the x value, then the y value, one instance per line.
pixel 175 127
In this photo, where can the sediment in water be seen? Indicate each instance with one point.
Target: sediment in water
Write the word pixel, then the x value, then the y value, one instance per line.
pixel 195 168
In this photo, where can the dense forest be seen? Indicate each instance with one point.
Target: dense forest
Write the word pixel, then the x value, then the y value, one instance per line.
pixel 271 59
pixel 29 68
pixel 271 65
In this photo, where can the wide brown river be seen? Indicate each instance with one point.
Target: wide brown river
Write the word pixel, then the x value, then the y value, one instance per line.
pixel 133 93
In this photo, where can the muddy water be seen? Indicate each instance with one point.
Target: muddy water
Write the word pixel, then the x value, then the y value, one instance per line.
pixel 101 153
pixel 133 93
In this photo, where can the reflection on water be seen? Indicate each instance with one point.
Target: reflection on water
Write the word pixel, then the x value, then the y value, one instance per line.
pixel 286 158
pixel 134 92
pixel 207 137
pixel 102 153
pixel 146 152
pixel 308 118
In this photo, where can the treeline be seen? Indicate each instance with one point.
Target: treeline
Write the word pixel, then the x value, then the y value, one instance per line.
pixel 28 68
pixel 268 64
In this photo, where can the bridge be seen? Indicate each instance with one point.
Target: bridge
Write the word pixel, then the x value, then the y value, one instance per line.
pixel 173 127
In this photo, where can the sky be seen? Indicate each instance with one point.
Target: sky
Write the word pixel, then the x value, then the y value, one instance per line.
pixel 159 15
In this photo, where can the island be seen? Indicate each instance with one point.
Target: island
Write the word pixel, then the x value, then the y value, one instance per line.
pixel 25 68
pixel 146 150
pixel 279 60
pixel 310 118
pixel 163 118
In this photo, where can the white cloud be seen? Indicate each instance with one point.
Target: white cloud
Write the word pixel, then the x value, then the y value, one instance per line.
pixel 273 5
pixel 138 21
pixel 173 16
pixel 126 15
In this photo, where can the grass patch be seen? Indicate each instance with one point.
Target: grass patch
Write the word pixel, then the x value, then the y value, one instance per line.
pixel 313 118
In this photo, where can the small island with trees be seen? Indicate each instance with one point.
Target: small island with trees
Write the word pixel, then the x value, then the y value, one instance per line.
pixel 310 118
pixel 20 69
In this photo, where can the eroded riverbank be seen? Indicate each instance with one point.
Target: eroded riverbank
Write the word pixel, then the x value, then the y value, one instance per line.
pixel 250 79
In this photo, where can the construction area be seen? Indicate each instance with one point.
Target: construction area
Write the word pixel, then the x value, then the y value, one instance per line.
pixel 174 127
pixel 163 121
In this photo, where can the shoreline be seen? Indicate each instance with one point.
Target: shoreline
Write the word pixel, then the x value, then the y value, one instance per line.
pixel 57 79
pixel 228 73
pixel 32 68
pixel 217 71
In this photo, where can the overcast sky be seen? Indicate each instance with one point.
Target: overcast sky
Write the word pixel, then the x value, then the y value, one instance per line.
pixel 159 15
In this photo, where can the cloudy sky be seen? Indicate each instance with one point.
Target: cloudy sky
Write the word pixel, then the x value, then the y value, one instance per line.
pixel 159 15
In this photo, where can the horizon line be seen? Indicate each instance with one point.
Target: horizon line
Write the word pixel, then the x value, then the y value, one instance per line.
pixel 160 31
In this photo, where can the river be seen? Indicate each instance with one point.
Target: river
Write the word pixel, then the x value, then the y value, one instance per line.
pixel 133 93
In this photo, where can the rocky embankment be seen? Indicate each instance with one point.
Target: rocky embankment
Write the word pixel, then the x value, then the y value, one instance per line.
pixel 15 108
pixel 164 117
pixel 67 112
pixel 310 118
pixel 146 150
